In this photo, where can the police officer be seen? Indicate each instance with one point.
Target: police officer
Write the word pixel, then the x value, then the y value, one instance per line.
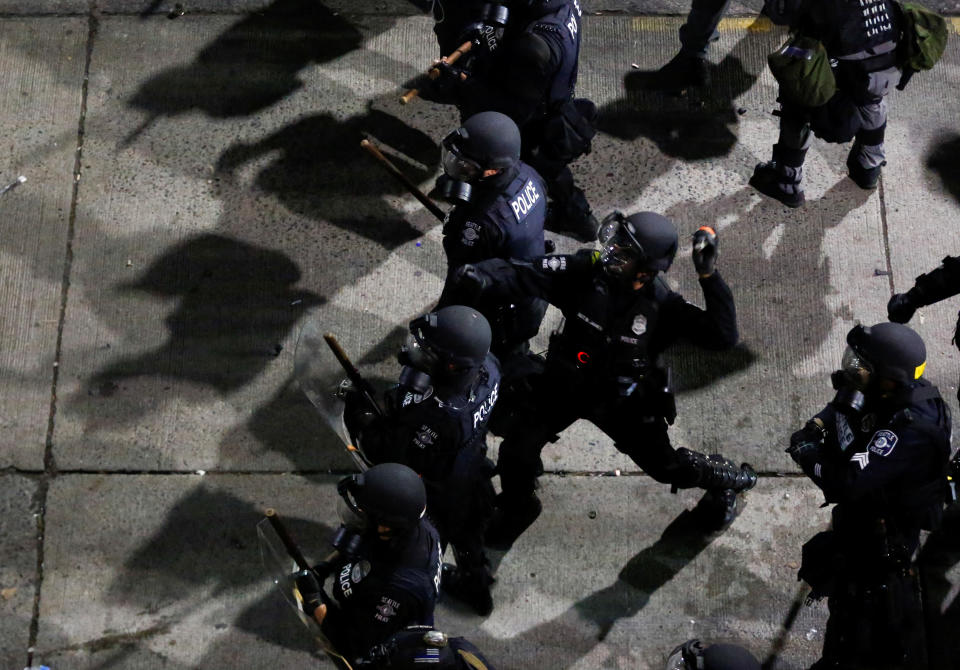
pixel 530 75
pixel 436 422
pixel 386 572
pixel 692 655
pixel 861 36
pixel 419 646
pixel 934 286
pixel 879 451
pixel 619 315
pixel 500 205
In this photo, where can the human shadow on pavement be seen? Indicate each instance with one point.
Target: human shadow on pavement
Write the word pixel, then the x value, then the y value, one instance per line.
pixel 237 302
pixel 944 159
pixel 252 65
pixel 697 126
pixel 320 171
pixel 939 584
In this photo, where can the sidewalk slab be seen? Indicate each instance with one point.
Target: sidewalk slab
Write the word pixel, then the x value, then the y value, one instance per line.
pixel 40 107
pixel 18 566
pixel 175 581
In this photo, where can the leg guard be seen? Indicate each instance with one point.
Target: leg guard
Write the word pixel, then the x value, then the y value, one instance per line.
pixel 780 178
pixel 711 472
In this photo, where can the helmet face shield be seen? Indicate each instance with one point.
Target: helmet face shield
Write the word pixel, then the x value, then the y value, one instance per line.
pixel 455 164
pixel 676 662
pixel 856 370
pixel 621 254
pixel 348 509
pixel 685 657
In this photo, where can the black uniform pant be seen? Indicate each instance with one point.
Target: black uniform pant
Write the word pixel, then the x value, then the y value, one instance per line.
pixel 637 429
pixel 875 624
pixel 461 505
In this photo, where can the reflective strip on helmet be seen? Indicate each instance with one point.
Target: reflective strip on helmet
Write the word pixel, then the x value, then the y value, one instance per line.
pixel 918 371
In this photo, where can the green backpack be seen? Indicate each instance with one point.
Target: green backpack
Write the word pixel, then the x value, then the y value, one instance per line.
pixel 802 68
pixel 924 37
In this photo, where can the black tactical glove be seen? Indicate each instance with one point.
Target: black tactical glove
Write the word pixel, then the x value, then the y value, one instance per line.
pixel 310 591
pixel 902 306
pixel 705 251
pixel 469 284
pixel 450 77
pixel 804 442
pixel 486 33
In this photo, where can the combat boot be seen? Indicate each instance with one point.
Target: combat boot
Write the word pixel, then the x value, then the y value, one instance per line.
pixel 780 178
pixel 682 72
pixel 469 586
pixel 865 178
pixel 513 515
pixel 717 509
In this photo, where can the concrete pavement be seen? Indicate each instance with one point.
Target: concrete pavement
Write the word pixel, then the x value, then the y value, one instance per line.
pixel 195 195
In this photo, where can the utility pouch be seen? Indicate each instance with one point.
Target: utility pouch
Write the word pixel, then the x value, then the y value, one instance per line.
pixel 569 130
pixel 923 39
pixel 802 69
pixel 820 564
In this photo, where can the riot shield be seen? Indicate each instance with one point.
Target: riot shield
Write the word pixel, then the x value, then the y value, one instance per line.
pixel 320 376
pixel 282 569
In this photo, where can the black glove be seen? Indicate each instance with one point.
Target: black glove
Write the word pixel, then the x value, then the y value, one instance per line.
pixel 901 307
pixel 486 38
pixel 311 593
pixel 905 78
pixel 804 442
pixel 705 251
pixel 469 284
pixel 450 77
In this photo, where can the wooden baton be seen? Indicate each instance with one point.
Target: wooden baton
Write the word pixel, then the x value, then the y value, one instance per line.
pixel 403 179
pixel 434 72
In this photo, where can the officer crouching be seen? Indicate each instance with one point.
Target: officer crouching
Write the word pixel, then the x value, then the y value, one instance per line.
pixel 879 451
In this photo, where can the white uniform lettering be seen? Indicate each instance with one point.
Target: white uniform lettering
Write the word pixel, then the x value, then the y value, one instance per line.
pixel 345 580
pixel 525 201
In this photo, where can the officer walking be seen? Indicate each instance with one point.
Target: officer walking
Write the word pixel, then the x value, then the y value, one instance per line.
pixel 934 286
pixel 619 315
pixel 500 205
pixel 529 72
pixel 417 646
pixel 689 67
pixel 386 573
pixel 436 423
pixel 861 36
pixel 879 452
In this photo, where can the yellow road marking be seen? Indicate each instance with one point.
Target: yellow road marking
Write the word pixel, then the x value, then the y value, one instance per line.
pixel 753 24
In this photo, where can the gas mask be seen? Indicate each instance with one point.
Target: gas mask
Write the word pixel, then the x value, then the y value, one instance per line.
pixel 459 172
pixel 419 365
pixel 621 255
pixel 851 382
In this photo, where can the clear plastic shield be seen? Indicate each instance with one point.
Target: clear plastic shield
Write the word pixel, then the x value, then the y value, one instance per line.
pixel 282 569
pixel 319 376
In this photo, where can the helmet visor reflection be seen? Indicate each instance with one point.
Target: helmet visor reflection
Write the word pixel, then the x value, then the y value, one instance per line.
pixel 351 516
pixel 459 167
pixel 855 368
pixel 619 261
pixel 676 662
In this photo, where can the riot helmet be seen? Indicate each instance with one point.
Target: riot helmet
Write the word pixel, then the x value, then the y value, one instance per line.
pixel 485 141
pixel 388 494
pixel 445 349
pixel 637 246
pixel 692 655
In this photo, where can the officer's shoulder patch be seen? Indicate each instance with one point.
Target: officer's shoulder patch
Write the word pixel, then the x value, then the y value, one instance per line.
pixel 470 234
pixel 554 263
pixel 883 442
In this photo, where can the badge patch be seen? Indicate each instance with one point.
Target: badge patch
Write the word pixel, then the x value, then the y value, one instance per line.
pixel 883 442
pixel 470 237
pixel 360 570
pixel 639 326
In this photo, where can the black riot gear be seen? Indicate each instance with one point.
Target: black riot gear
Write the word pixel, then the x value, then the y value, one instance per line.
pixel 445 348
pixel 692 655
pixel 389 494
pixel 485 141
pixel 888 351
pixel 642 243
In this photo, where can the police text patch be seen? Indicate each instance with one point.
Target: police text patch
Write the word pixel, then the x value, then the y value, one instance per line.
pixel 525 201
pixel 883 442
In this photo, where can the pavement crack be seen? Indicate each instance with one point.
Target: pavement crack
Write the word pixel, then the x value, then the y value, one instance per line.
pixel 112 641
